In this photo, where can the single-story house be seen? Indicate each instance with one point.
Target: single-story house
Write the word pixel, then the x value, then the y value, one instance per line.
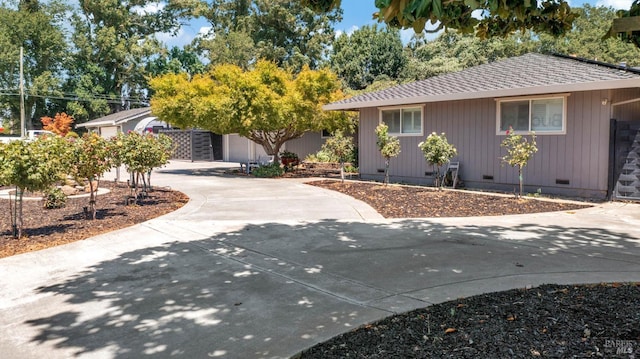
pixel 231 148
pixel 585 114
pixel 123 121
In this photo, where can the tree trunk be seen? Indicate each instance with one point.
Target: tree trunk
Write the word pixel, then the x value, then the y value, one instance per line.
pixel 342 171
pixel 386 171
pixel 92 198
pixel 20 220
pixel 520 179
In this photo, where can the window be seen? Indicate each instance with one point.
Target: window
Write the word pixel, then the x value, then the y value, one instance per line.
pixel 403 121
pixel 325 134
pixel 542 115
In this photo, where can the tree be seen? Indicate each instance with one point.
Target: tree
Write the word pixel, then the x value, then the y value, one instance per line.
pixel 176 60
pixel 519 152
pixel 113 42
pixel 31 166
pixel 341 147
pixel 37 28
pixel 367 54
pixel 140 154
pixel 281 31
pixel 60 124
pixel 437 151
pixel 91 158
pixel 500 18
pixel 586 39
pixel 389 147
pixel 267 105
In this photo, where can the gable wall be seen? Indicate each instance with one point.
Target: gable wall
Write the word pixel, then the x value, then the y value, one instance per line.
pixel 580 156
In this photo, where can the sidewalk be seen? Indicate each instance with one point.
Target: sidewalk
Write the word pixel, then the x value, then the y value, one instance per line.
pixel 258 268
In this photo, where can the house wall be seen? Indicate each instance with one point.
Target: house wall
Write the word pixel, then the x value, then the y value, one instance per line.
pixel 580 156
pixel 310 143
pixel 241 149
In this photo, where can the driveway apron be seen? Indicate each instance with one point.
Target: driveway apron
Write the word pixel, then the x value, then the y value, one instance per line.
pixel 261 268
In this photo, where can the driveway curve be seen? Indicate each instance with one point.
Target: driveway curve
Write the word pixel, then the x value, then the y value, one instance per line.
pixel 257 268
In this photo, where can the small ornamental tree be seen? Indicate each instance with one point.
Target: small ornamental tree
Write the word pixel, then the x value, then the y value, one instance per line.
pixel 519 152
pixel 91 159
pixel 31 166
pixel 437 151
pixel 140 154
pixel 389 146
pixel 60 124
pixel 341 147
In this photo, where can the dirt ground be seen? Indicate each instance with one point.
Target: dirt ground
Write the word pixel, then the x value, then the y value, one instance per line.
pixel 45 228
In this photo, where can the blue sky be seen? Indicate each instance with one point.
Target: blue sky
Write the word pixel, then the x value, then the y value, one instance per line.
pixel 357 13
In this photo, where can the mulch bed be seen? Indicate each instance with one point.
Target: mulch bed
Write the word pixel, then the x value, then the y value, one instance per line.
pixel 393 201
pixel 45 228
pixel 550 321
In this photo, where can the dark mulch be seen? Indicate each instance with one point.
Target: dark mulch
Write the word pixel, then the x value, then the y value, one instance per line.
pixel 393 201
pixel 550 321
pixel 51 227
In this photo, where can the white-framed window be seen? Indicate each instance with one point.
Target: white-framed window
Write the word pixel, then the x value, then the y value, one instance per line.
pixel 543 115
pixel 403 121
pixel 325 134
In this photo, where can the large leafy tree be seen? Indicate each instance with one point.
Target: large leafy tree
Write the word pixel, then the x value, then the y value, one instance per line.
pixel 499 17
pixel 367 54
pixel 37 28
pixel 281 31
pixel 586 38
pixel 113 41
pixel 267 105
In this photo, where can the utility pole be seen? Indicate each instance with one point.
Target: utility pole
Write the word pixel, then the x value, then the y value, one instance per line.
pixel 22 124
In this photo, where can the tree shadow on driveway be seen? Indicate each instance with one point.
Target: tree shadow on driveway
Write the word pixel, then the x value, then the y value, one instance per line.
pixel 272 290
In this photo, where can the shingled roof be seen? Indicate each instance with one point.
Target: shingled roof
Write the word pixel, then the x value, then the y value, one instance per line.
pixel 530 74
pixel 118 118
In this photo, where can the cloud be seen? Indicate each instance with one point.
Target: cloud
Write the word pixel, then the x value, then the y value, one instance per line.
pixel 616 4
pixel 180 39
pixel 148 9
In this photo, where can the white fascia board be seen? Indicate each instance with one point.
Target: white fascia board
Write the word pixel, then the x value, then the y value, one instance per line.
pixel 526 91
pixel 96 124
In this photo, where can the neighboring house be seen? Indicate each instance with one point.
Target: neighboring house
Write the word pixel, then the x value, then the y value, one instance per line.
pixel 586 115
pixel 123 121
pixel 232 148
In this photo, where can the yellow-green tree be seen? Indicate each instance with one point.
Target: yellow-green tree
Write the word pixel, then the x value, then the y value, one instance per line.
pixel 267 104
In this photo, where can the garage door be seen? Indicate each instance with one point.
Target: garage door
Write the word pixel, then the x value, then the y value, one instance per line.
pixel 109 131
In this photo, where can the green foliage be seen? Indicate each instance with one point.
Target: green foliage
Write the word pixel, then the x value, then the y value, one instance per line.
pixel 321 156
pixel 437 151
pixel 140 154
pixel 32 166
pixel 500 17
pixel 91 158
pixel 367 54
pixel 268 171
pixel 280 31
pixel 389 147
pixel 341 147
pixel 519 152
pixel 267 105
pixel 54 198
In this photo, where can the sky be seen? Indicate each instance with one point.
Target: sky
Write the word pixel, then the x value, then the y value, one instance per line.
pixel 356 13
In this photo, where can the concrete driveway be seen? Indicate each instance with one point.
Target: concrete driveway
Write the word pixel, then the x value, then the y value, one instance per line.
pixel 256 268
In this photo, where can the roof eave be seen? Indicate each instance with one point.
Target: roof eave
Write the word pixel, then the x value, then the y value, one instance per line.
pixel 527 91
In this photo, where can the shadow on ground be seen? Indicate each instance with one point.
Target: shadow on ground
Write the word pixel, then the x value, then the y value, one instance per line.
pixel 271 290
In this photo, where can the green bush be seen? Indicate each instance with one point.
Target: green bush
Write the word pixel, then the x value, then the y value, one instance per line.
pixel 54 198
pixel 268 171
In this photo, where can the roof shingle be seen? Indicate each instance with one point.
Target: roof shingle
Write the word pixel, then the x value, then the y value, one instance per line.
pixel 528 74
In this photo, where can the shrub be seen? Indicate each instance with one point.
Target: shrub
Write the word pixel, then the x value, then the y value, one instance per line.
pixel 519 152
pixel 268 171
pixel 437 151
pixel 54 198
pixel 389 146
pixel 340 147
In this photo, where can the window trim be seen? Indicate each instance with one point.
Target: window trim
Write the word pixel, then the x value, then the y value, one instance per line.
pixel 562 96
pixel 404 107
pixel 323 136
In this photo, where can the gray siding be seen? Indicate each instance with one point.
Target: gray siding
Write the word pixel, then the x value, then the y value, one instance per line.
pixel 310 143
pixel 241 149
pixel 580 156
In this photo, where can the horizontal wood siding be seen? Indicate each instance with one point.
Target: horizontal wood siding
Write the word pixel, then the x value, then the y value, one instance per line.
pixel 310 143
pixel 580 156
